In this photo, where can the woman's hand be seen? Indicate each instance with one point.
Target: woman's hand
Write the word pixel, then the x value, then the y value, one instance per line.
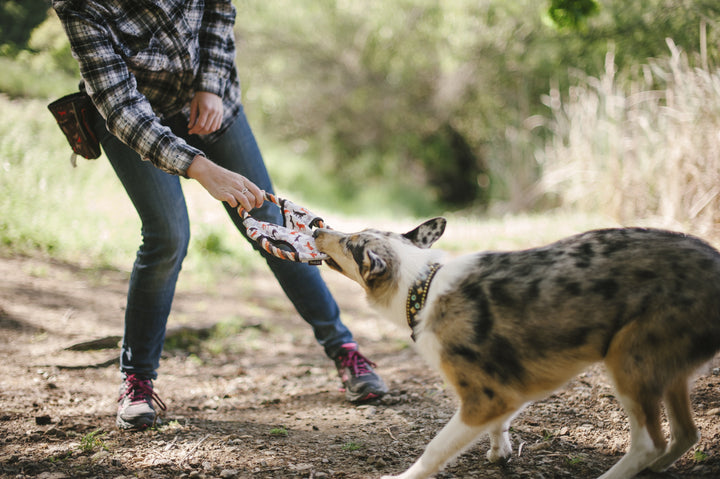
pixel 225 185
pixel 206 113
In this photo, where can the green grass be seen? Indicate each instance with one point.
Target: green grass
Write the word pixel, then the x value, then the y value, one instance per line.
pixel 26 78
pixel 351 446
pixel 278 432
pixel 93 441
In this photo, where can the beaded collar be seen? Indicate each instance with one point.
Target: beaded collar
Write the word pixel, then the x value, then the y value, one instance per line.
pixel 417 294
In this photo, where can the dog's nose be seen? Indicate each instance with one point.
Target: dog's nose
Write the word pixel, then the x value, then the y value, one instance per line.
pixel 316 232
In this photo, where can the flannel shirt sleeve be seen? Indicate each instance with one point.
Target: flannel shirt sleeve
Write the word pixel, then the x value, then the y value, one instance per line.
pixel 217 47
pixel 113 89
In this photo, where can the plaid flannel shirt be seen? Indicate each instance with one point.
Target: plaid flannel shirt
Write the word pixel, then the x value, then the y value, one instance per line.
pixel 143 60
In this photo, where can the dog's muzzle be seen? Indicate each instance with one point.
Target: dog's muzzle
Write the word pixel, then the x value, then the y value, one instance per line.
pixel 330 262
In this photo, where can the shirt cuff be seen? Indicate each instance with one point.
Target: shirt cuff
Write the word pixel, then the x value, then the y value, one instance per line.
pixel 178 158
pixel 211 83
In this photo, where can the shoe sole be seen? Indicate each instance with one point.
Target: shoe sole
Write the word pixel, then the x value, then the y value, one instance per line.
pixel 140 424
pixel 363 396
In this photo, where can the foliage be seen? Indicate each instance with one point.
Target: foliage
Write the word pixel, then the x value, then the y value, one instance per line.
pixel 374 87
pixel 422 106
pixel 572 14
pixel 18 18
pixel 27 72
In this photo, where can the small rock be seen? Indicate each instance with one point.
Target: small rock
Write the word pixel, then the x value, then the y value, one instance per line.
pixel 43 420
pixel 228 473
pixel 52 475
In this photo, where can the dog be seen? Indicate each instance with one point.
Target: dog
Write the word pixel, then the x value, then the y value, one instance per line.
pixel 507 328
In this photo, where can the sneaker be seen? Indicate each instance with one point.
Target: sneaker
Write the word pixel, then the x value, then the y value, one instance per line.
pixel 360 382
pixel 136 410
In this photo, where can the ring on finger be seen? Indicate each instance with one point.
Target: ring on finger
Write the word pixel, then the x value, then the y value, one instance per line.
pixel 245 191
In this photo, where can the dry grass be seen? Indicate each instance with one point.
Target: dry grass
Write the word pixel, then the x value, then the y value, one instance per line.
pixel 641 150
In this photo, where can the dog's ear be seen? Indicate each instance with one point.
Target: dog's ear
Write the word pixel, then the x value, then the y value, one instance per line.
pixel 373 266
pixel 427 233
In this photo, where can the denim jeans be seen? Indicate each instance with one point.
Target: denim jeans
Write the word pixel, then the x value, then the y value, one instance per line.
pixel 158 198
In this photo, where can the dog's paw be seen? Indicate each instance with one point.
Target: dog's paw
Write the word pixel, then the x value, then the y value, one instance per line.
pixel 499 454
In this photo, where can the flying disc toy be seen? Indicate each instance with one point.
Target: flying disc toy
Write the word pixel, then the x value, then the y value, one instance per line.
pixel 292 241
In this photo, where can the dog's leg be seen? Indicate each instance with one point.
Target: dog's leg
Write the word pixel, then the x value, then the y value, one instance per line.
pixel 646 440
pixel 683 432
pixel 500 446
pixel 453 439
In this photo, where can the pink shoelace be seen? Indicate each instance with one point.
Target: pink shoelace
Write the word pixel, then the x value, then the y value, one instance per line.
pixel 140 390
pixel 359 364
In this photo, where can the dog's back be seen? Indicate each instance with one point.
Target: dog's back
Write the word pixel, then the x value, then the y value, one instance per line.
pixel 651 293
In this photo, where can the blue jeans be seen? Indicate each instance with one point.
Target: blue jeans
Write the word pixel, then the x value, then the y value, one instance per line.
pixel 160 203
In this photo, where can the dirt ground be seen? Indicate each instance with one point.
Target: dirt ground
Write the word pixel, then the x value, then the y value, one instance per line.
pixel 266 404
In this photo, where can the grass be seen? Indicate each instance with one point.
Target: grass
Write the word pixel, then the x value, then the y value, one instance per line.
pixel 351 446
pixel 278 432
pixel 92 441
pixel 23 77
pixel 639 146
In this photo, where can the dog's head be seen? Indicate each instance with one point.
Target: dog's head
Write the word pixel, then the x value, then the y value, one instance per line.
pixel 374 258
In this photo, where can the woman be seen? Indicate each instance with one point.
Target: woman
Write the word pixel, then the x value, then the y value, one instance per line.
pixel 162 75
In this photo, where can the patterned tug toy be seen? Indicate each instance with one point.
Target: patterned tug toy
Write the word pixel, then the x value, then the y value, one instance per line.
pixel 293 241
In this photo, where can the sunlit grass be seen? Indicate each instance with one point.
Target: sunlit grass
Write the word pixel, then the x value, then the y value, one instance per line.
pixel 25 79
pixel 640 147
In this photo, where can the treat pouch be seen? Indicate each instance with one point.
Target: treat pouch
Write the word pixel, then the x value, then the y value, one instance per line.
pixel 73 115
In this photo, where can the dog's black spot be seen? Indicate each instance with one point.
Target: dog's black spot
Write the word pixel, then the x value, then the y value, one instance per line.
pixel 463 383
pixel 523 270
pixel 704 345
pixel 644 274
pixel 706 264
pixel 612 241
pixel 504 260
pixel 684 302
pixel 474 294
pixel 643 306
pixel 583 255
pixel 678 269
pixel 533 291
pixel 542 255
pixel 652 340
pixel 502 360
pixel 358 253
pixel 489 392
pixel 500 295
pixel 607 288
pixel 638 360
pixel 574 337
pixel 572 288
pixel 466 352
pixel 619 320
pixel 498 359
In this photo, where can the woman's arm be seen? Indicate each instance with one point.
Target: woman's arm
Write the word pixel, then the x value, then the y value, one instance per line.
pixel 113 89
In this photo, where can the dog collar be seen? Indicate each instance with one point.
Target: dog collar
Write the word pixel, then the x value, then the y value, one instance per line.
pixel 417 294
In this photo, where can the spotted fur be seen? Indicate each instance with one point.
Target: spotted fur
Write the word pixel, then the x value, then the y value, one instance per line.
pixel 505 328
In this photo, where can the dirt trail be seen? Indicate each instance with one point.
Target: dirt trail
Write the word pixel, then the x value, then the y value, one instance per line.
pixel 266 404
